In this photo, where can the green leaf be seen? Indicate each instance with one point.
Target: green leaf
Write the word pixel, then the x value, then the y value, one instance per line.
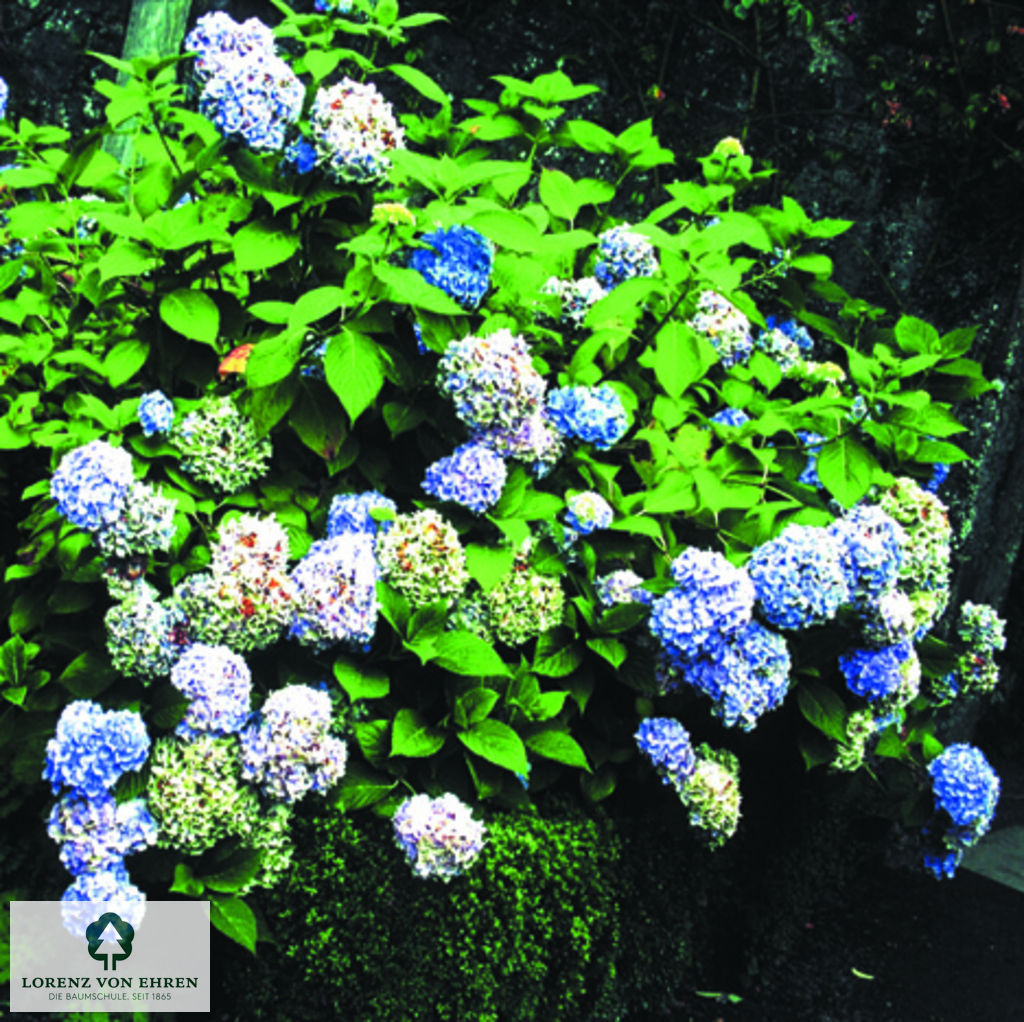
pixel 361 682
pixel 273 359
pixel 352 364
pixel 124 360
pixel 680 358
pixel 559 746
pixel 87 676
pixel 823 708
pixel 263 244
pixel 468 654
pixel 423 84
pixel 235 920
pixel 235 872
pixel 184 882
pixel 498 744
pixel 507 229
pixel 488 565
pixel 359 788
pixel 372 737
pixel 558 192
pixel 930 747
pixel 916 336
pixel 316 304
pixel 411 735
pixel 474 705
pixel 192 314
pixel 611 650
pixel 598 785
pixel 557 654
pixel 846 469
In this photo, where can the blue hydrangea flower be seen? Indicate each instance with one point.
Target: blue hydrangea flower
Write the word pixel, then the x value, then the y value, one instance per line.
pixel 877 673
pixel 592 414
pixel 333 6
pixel 254 100
pixel 290 751
pixel 889 619
pixel 300 155
pixel 577 297
pixel 666 743
pixel 964 785
pixel 813 442
pixel 943 865
pixel 219 42
pixel 798 577
pixel 350 512
pixel 93 747
pixel 730 417
pixel 622 255
pixel 473 476
pixel 110 886
pixel 587 512
pixel 623 586
pixel 940 473
pixel 354 129
pixel 459 262
pixel 91 484
pixel 156 413
pixel 713 599
pixel 490 380
pixel 95 834
pixel 439 836
pixel 745 675
pixel 533 440
pixel 871 544
pixel 336 593
pixel 5 93
pixel 795 331
pixel 779 347
pixel 219 685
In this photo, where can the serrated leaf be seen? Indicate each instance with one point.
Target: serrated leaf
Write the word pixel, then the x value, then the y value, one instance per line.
pixel 611 650
pixel 559 746
pixel 411 735
pixel 192 314
pixel 361 682
pixel 235 920
pixel 468 654
pixel 823 708
pixel 360 788
pixel 473 706
pixel 352 364
pixel 235 873
pixel 598 785
pixel 557 654
pixel 498 744
pixel 846 469
pixel 262 244
pixel 87 676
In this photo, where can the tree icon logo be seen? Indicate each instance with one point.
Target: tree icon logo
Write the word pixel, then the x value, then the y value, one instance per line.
pixel 110 940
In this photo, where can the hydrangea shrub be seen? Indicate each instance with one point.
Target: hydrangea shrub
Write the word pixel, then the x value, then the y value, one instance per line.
pixel 407 476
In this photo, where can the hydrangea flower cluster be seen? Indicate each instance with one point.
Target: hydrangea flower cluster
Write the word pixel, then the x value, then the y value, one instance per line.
pixel 587 512
pixel 93 747
pixel 795 331
pixel 730 417
pixel 594 415
pixel 712 600
pixel 533 440
pixel 577 297
pixel 623 586
pixel 422 558
pixel 156 413
pixel 780 348
pixel 253 97
pixel 300 156
pixel 220 43
pixel 728 330
pixel 666 743
pixel 95 834
pixel 354 128
pixel 888 620
pixel 336 593
pixel 333 6
pixel 219 446
pixel 813 442
pixel 874 674
pixel 351 512
pixel 219 685
pixel 924 574
pixel 5 95
pixel 940 473
pixel 110 886
pixel 290 750
pixel 966 791
pixel 983 633
pixel 622 255
pixel 712 795
pixel 871 545
pixel 745 675
pixel 144 524
pixel 523 604
pixel 490 380
pixel 473 476
pixel 142 638
pixel 799 578
pixel 439 836
pixel 459 262
pixel 91 485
